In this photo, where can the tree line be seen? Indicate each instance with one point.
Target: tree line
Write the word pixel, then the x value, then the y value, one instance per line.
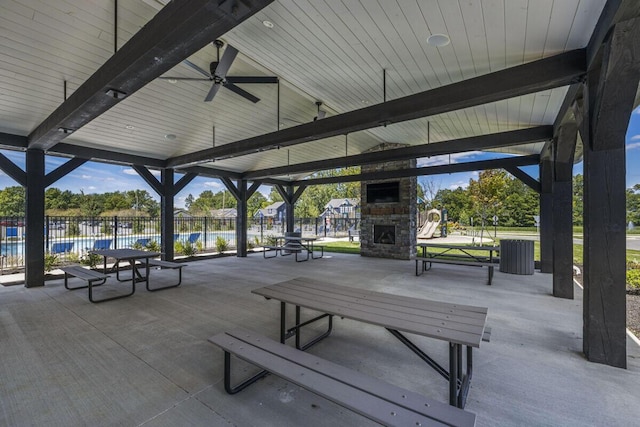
pixel 495 192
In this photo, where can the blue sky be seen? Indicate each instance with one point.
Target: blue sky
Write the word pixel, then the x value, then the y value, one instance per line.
pixel 95 177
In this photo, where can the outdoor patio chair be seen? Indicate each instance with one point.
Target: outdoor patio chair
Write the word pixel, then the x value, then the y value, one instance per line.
pixel 142 242
pixel 101 245
pixel 194 237
pixel 61 247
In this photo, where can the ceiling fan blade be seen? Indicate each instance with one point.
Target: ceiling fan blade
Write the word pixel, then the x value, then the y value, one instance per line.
pixel 199 79
pixel 251 79
pixel 243 93
pixel 198 69
pixel 225 62
pixel 212 92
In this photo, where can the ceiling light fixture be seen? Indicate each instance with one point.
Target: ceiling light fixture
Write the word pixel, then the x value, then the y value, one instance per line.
pixel 267 24
pixel 170 136
pixel 438 40
pixel 129 127
pixel 115 93
pixel 172 81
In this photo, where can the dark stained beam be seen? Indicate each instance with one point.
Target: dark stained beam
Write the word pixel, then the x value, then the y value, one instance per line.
pixel 13 141
pixel 12 170
pixel 566 109
pixel 429 170
pixel 176 32
pixel 212 172
pixel 106 156
pixel 614 11
pixel 530 182
pixel 63 170
pixel 148 177
pixel 231 187
pixel 548 73
pixel 474 143
pixel 183 182
pixel 254 187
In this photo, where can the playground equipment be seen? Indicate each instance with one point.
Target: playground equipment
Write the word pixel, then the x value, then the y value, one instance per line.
pixel 430 225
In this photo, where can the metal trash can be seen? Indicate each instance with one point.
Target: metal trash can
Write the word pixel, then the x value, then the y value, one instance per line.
pixel 516 256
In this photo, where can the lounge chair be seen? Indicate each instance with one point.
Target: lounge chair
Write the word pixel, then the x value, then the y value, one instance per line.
pixel 194 237
pixel 61 247
pixel 101 245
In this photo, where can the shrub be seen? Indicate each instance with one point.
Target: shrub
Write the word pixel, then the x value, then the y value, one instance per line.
pixel 91 260
pixel 185 248
pixel 50 261
pixel 222 244
pixel 153 246
pixel 633 279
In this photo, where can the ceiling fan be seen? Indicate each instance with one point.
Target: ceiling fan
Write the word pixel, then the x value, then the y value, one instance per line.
pixel 218 75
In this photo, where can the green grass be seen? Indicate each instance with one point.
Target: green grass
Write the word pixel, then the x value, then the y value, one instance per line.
pixel 344 247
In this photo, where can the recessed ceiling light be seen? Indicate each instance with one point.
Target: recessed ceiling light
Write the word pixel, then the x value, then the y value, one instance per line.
pixel 129 127
pixel 438 40
pixel 173 81
pixel 170 136
pixel 364 101
pixel 268 24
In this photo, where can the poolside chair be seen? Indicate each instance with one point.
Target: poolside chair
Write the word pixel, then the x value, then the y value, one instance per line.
pixel 142 242
pixel 176 237
pixel 61 247
pixel 194 237
pixel 101 244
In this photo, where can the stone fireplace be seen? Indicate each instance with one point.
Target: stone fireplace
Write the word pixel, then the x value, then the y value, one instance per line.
pixel 388 211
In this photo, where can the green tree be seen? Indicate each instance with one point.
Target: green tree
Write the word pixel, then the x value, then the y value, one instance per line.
pixel 633 204
pixel 12 201
pixel 457 203
pixel 578 199
pixel 255 202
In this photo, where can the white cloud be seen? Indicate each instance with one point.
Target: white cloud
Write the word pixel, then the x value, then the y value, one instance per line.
pixel 446 159
pixel 635 138
pixel 86 177
pixel 455 185
pixel 129 171
pixel 633 145
pixel 213 184
pixel 92 188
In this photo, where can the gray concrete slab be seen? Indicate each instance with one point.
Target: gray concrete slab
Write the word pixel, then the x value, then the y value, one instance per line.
pixel 145 360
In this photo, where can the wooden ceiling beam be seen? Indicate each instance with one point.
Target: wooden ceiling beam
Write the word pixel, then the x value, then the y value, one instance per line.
pixel 548 73
pixel 176 32
pixel 504 163
pixel 474 143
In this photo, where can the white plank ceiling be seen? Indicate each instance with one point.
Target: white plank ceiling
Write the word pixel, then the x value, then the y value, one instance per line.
pixel 333 51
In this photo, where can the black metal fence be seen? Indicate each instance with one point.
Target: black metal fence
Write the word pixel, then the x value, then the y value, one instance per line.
pixel 71 238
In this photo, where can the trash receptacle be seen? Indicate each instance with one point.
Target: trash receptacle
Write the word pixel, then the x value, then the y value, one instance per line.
pixel 516 256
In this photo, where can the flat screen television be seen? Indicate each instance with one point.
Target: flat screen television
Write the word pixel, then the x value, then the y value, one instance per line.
pixel 384 192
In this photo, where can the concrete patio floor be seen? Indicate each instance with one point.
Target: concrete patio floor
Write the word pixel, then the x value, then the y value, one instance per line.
pixel 145 360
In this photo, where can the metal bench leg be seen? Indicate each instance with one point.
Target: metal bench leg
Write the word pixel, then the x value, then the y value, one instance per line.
pixel 168 286
pixel 490 275
pixel 302 260
pixel 285 333
pixel 133 290
pixel 66 283
pixel 227 377
pixel 264 253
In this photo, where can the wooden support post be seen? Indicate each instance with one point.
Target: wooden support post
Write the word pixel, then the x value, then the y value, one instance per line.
pixel 546 210
pixel 34 239
pixel 241 219
pixel 167 204
pixel 563 153
pixel 609 97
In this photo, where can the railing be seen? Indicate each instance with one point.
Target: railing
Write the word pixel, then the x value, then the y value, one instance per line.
pixel 71 238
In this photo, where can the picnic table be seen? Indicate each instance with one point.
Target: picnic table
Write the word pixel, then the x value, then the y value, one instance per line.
pixel 465 249
pixel 461 326
pixel 132 256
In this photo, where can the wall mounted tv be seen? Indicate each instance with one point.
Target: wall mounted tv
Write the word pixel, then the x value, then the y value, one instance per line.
pixel 385 192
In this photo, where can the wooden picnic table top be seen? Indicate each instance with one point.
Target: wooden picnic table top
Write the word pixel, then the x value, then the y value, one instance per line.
pixel 455 323
pixel 454 246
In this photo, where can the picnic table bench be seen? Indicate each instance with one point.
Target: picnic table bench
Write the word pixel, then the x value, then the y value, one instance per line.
pixel 166 264
pixel 93 278
pixel 292 245
pixel 458 325
pixel 375 399
pixel 424 261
